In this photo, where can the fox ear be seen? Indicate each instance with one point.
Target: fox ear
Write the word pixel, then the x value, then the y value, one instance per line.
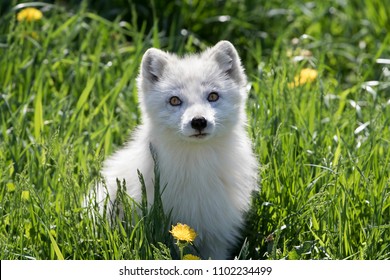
pixel 153 64
pixel 227 57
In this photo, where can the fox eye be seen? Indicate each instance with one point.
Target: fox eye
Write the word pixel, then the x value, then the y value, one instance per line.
pixel 213 96
pixel 175 101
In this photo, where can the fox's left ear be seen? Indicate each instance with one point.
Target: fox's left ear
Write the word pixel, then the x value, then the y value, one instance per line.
pixel 227 57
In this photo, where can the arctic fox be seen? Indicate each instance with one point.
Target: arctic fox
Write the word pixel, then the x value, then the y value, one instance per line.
pixel 193 115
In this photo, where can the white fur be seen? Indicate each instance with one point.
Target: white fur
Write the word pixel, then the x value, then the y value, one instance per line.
pixel 209 179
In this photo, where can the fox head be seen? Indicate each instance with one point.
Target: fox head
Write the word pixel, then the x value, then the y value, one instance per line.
pixel 195 97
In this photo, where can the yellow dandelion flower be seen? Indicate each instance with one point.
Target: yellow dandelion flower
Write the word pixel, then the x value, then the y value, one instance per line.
pixel 25 195
pixel 190 257
pixel 306 76
pixel 183 232
pixel 29 14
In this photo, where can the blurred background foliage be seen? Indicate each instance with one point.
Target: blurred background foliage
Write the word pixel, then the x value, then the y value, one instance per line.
pixel 351 34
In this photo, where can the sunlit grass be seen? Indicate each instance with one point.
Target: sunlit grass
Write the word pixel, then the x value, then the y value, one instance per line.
pixel 68 99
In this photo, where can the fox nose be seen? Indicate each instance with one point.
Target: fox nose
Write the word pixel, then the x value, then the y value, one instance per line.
pixel 198 123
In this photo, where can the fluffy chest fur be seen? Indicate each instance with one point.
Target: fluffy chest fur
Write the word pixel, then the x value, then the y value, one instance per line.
pixel 209 187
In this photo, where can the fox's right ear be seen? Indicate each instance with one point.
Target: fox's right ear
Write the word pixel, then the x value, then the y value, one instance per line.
pixel 153 64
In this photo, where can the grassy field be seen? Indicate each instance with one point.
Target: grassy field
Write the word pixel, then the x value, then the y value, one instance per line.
pixel 68 99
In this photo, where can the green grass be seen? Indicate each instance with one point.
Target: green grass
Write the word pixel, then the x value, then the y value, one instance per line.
pixel 68 98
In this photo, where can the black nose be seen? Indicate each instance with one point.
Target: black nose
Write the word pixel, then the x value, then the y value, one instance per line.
pixel 198 123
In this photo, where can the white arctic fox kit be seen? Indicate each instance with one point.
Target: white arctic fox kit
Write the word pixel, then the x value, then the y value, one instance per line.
pixel 193 115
